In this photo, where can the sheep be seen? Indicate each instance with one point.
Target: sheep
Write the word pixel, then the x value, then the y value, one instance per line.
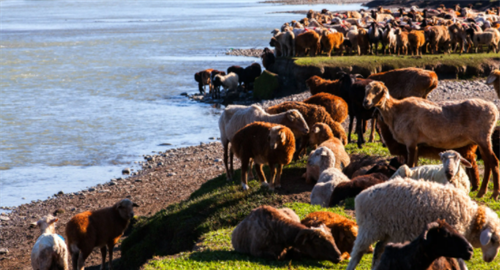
pixel 286 40
pixel 457 36
pixel 389 39
pixel 251 73
pixel 329 41
pixel 290 214
pixel 358 39
pixel 329 176
pixel 229 82
pixel 238 70
pixel 318 85
pixel 360 164
pixel 215 87
pixel 487 38
pixel 269 233
pixel 397 210
pixel 334 105
pixel 312 114
pixel 352 188
pixel 375 35
pixel 98 228
pixel 307 41
pixel 448 172
pixel 439 36
pixel 381 17
pixel 236 117
pixel 321 135
pixel 416 40
pixel 495 140
pixel 277 47
pixel 203 79
pixel 343 230
pixel 408 82
pixel 268 58
pixel 49 251
pixel 448 125
pixel 402 41
pixel 468 152
pixel 438 239
pixel 270 144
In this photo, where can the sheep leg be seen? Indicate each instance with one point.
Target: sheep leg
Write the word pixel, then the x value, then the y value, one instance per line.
pixel 110 249
pixel 261 175
pixel 81 259
pixel 103 254
pixel 372 134
pixel 250 170
pixel 412 155
pixel 490 167
pixel 351 120
pixel 361 244
pixel 272 177
pixel 359 130
pixel 473 173
pixel 377 253
pixel 228 173
pixel 278 176
pixel 231 157
pixel 244 169
pixel 74 259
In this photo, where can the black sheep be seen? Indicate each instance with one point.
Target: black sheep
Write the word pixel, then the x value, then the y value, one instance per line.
pixel 352 188
pixel 238 70
pixel 251 73
pixel 268 58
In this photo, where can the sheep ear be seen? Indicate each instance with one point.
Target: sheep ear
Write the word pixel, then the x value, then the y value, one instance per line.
pixel 485 236
pixel 491 79
pixel 465 162
pixel 291 117
pixel 283 137
pixel 316 130
pixel 429 227
pixel 324 153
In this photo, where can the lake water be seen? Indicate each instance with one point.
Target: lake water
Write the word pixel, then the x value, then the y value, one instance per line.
pixel 88 87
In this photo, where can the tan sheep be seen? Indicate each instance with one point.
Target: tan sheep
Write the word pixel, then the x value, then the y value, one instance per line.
pixel 408 82
pixel 49 251
pixel 494 79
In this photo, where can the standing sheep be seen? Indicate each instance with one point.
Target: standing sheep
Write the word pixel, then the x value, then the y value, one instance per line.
pixel 238 70
pixel 229 82
pixel 330 41
pixel 317 85
pixel 270 233
pixel 416 40
pixel 286 40
pixel 397 210
pixel 321 135
pixel 49 251
pixel 408 82
pixel 265 143
pixel 414 121
pixel 334 105
pixel 98 228
pixel 251 73
pixel 307 41
pixel 402 41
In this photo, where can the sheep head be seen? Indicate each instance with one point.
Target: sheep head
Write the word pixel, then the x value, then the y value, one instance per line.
pixel 47 224
pixel 318 244
pixel 441 239
pixel 293 120
pixel 323 158
pixel 451 163
pixel 376 94
pixel 320 133
pixel 125 208
pixel 277 136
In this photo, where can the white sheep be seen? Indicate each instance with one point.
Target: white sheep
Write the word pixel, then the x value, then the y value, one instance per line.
pixel 229 82
pixel 235 117
pixel 396 211
pixel 49 251
pixel 286 40
pixel 449 172
pixel 329 176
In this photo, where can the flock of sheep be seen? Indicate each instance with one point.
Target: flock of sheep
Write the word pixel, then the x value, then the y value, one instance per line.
pixel 394 199
pixel 415 31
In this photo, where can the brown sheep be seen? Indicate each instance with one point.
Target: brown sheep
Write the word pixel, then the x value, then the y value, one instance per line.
pixel 408 82
pixel 312 114
pixel 277 47
pixel 317 85
pixel 402 41
pixel 308 40
pixel 270 233
pixel 203 79
pixel 458 36
pixel 416 40
pixel 329 41
pixel 334 105
pixel 494 78
pixel 468 152
pixel 439 36
pixel 344 230
pixel 363 41
pixel 453 124
pixel 265 143
pixel 352 188
pixel 97 228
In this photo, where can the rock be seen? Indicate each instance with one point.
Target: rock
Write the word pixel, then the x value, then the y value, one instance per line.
pixel 4 218
pixel 138 180
pixel 91 189
pixel 171 174
pixel 59 211
pixel 211 138
pixel 218 160
pixel 266 85
pixel 104 191
pixel 4 251
pixel 184 94
pixel 126 171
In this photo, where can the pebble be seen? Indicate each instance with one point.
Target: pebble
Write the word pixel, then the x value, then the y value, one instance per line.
pixel 171 174
pixel 104 191
pixel 91 189
pixel 4 251
pixel 4 218
pixel 126 171
pixel 218 160
pixel 138 180
pixel 112 184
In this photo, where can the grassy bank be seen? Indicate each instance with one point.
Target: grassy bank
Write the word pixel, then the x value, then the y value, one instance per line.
pixel 372 61
pixel 196 234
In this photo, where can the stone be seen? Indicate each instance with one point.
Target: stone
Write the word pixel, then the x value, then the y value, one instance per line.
pixel 91 189
pixel 171 174
pixel 104 191
pixel 4 218
pixel 112 184
pixel 218 160
pixel 126 171
pixel 4 251
pixel 266 85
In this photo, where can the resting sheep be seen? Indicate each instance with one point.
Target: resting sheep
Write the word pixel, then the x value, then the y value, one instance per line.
pixel 334 105
pixel 329 176
pixel 344 230
pixel 269 233
pixel 352 188
pixel 448 172
pixel 449 125
pixel 49 251
pixel 236 116
pixel 267 144
pixel 438 239
pixel 408 82
pixel 321 135
pixel 97 228
pixel 397 210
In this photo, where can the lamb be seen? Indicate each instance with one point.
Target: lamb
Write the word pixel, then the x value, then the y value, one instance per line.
pixel 352 188
pixel 238 70
pixel 329 176
pixel 203 79
pixel 49 251
pixel 329 41
pixel 402 41
pixel 334 105
pixel 318 85
pixel 269 233
pixel 397 210
pixel 229 82
pixel 408 82
pixel 98 228
pixel 415 121
pixel 307 41
pixel 448 172
pixel 270 144
pixel 322 135
pixel 235 117
pixel 312 114
pixel 494 79
pixel 438 239
pixel 343 230
pixel 468 152
pixel 416 40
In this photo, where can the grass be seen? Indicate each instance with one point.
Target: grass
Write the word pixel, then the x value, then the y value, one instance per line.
pixel 373 61
pixel 205 221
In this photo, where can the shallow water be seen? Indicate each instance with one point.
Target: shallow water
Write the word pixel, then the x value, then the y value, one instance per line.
pixel 88 87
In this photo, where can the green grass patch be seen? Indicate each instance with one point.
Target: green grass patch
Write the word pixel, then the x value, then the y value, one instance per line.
pixel 372 61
